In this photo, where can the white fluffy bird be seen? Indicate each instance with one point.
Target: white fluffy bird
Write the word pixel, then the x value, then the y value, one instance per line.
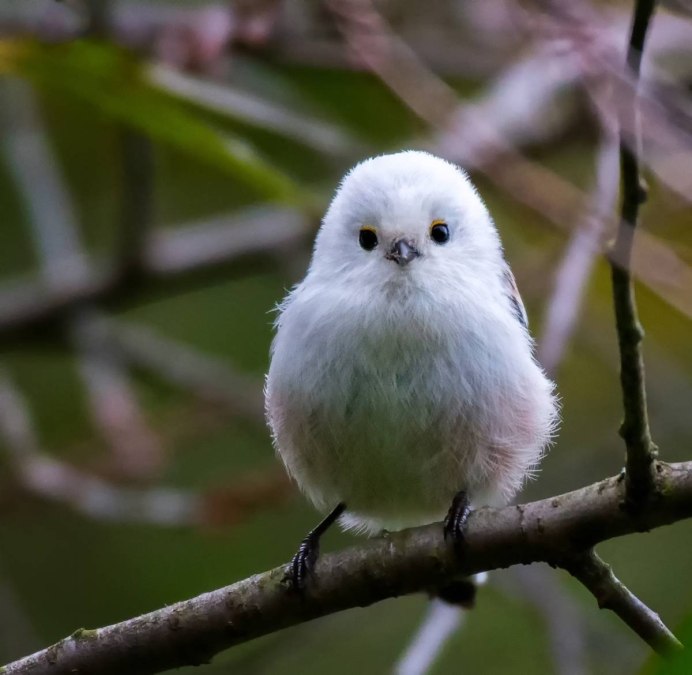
pixel 402 376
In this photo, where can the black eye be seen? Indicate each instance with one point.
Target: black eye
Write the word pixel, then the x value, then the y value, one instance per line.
pixel 439 233
pixel 367 239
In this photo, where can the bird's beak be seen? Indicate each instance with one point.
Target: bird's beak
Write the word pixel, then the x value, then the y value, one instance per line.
pixel 402 252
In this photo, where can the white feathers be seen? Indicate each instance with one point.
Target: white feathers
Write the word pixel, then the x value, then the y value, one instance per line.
pixel 393 386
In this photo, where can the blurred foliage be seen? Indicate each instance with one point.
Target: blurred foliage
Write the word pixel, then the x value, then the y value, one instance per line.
pixel 67 571
pixel 115 84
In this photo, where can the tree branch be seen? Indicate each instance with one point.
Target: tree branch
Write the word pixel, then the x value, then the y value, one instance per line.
pixel 38 473
pixel 183 258
pixel 209 378
pixel 612 594
pixel 53 223
pixel 641 452
pixel 192 631
pixel 51 479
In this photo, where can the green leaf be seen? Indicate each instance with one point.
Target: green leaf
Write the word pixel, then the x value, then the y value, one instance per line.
pixel 115 83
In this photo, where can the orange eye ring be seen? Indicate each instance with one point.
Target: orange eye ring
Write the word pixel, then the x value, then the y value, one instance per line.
pixel 439 231
pixel 367 237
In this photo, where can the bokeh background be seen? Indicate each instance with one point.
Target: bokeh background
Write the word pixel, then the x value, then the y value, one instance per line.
pixel 163 168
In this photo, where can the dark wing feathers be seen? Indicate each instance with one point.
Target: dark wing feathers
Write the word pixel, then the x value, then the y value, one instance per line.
pixel 515 299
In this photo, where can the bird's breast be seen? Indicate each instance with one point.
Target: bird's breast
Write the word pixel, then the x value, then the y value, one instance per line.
pixel 393 408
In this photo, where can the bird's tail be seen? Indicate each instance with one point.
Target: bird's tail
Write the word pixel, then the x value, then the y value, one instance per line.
pixel 445 615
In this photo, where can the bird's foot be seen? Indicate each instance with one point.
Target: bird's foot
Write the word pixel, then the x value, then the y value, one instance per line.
pixel 455 521
pixel 303 563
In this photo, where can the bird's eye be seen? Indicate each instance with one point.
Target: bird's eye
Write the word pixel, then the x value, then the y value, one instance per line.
pixel 439 232
pixel 367 238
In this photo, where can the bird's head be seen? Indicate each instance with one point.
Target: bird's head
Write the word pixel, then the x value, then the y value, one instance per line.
pixel 405 216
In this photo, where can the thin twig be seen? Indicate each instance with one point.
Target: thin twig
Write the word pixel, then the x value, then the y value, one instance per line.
pixel 192 631
pixel 612 594
pixel 641 452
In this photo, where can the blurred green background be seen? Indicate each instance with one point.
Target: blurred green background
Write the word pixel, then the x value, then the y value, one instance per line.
pixel 62 568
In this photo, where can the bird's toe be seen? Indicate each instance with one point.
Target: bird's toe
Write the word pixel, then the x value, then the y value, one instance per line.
pixel 455 521
pixel 302 565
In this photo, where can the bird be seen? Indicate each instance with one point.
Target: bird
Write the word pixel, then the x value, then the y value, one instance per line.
pixel 402 387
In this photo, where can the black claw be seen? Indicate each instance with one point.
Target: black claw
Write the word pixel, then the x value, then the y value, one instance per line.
pixel 456 518
pixel 301 567
pixel 302 564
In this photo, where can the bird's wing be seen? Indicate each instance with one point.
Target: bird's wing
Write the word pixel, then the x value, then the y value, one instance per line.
pixel 515 299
